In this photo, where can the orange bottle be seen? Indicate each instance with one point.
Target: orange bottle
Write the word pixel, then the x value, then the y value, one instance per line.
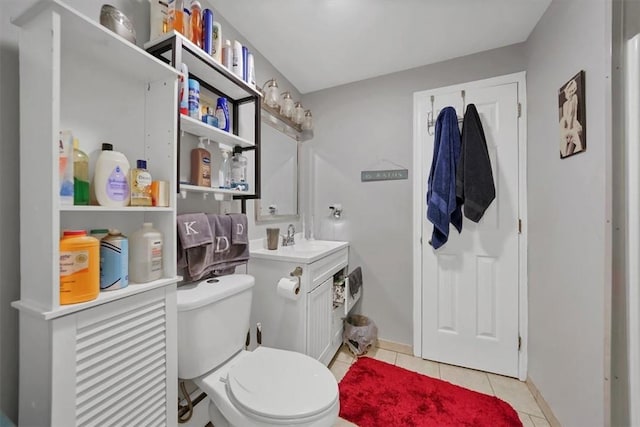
pixel 196 23
pixel 79 267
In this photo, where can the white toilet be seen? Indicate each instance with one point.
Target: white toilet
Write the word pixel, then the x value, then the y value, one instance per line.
pixel 264 387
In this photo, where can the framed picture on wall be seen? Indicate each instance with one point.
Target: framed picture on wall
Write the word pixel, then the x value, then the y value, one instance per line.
pixel 573 119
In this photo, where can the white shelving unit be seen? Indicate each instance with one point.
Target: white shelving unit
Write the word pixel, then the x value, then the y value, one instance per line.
pixel 113 358
pixel 244 110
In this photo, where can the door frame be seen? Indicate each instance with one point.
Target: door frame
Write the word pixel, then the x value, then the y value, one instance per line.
pixel 420 102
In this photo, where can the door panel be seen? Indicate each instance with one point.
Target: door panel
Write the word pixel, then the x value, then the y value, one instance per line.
pixel 470 285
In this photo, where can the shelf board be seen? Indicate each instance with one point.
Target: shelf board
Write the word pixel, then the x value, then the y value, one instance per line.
pixel 199 128
pixel 205 67
pixel 111 209
pixel 273 118
pixel 94 43
pixel 198 189
pixel 103 298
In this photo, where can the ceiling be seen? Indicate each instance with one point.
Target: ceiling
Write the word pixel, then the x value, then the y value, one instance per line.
pixel 317 44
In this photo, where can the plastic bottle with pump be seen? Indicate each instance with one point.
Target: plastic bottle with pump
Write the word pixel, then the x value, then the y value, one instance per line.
pixel 201 165
pixel 224 175
pixel 80 175
pixel 239 171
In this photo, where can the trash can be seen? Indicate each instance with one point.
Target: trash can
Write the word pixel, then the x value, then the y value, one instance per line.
pixel 360 334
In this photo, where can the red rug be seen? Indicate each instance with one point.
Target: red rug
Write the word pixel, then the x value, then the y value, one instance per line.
pixel 375 393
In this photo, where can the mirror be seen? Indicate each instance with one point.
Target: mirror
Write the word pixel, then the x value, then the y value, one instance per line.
pixel 279 175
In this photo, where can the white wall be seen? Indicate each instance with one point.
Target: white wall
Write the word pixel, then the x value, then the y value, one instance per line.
pixel 570 215
pixel 138 11
pixel 358 126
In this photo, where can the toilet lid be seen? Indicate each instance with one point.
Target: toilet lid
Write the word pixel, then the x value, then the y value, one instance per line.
pixel 281 384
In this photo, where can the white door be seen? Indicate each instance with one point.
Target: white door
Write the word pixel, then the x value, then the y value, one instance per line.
pixel 470 285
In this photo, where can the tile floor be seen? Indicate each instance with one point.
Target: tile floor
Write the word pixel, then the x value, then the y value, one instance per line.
pixel 512 391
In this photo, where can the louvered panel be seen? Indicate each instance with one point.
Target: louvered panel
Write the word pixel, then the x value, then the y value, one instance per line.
pixel 101 362
pixel 148 416
pixel 89 338
pixel 127 407
pixel 121 366
pixel 319 320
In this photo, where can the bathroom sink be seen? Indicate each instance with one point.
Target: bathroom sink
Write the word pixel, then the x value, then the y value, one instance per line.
pixel 305 251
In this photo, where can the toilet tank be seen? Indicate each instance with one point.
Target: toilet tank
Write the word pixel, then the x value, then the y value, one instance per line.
pixel 213 320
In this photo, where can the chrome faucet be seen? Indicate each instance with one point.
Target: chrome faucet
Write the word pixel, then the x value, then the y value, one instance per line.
pixel 288 240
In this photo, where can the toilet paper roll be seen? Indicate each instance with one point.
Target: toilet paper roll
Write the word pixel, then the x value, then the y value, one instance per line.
pixel 289 288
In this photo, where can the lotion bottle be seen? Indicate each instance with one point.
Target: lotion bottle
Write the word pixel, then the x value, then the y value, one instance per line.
pixel 227 55
pixel 217 42
pixel 201 166
pixel 111 178
pixel 237 66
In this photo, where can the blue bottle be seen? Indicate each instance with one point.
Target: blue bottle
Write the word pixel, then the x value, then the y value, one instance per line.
pixel 222 114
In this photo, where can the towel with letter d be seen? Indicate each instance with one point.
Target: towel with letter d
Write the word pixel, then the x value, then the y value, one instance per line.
pixel 442 204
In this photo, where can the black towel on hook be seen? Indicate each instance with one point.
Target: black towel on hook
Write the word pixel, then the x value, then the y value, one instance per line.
pixel 474 178
pixel 355 281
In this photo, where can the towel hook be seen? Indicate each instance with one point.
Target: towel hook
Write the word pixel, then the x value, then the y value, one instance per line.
pixel 430 123
pixel 464 102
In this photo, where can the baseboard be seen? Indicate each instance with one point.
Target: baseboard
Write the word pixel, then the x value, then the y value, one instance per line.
pixel 394 346
pixel 544 406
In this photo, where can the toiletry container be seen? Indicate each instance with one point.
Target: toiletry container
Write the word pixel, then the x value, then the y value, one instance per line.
pixel 145 250
pixel 79 267
pixel 227 55
pixel 114 261
pixel 201 166
pixel 237 67
pixel 111 178
pixel 224 174
pixel 176 16
pixel 80 175
pixel 251 69
pixel 140 180
pixel 65 167
pixel 217 42
pixel 184 89
pixel 194 99
pixel 245 63
pixel 98 233
pixel 207 31
pixel 157 18
pixel 239 172
pixel 195 27
pixel 222 114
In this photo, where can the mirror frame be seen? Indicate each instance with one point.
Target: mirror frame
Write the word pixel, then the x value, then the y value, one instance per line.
pixel 276 122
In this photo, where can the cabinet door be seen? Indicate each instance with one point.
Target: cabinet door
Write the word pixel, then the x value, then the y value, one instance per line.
pixel 319 309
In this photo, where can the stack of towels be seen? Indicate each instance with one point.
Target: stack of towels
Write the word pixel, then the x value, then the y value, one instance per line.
pixel 210 244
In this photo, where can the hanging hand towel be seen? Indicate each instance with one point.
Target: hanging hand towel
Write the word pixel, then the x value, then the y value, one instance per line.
pixel 442 206
pixel 238 229
pixel 474 180
pixel 194 230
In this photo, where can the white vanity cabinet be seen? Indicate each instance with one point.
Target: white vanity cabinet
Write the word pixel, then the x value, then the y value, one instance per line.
pixel 111 360
pixel 308 324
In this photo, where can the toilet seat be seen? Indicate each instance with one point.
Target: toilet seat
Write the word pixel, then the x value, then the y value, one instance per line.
pixel 269 387
pixel 279 384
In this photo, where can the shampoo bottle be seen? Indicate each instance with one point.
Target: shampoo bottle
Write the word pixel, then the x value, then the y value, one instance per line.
pixel 201 166
pixel 237 67
pixel 195 26
pixel 140 185
pixel 227 55
pixel 217 42
pixel 251 69
pixel 111 178
pixel 184 89
pixel 80 175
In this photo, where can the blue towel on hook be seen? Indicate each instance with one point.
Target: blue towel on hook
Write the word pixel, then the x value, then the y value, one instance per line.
pixel 442 205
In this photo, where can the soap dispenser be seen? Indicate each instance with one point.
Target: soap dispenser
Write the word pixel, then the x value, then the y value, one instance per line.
pixel 224 175
pixel 201 166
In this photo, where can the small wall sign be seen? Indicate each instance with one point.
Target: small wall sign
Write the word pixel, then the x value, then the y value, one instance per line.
pixel 384 175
